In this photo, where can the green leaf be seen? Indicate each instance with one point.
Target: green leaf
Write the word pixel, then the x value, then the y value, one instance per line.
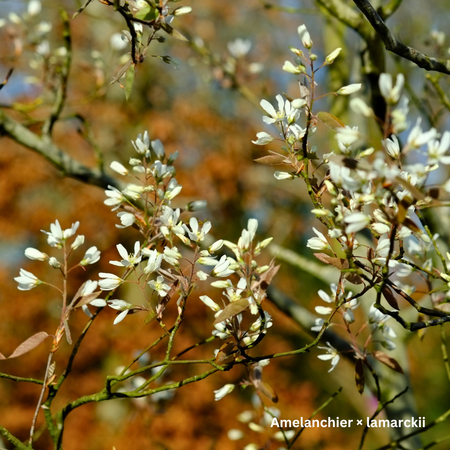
pixel 172 32
pixel 149 317
pixel 147 13
pixel 329 120
pixel 129 80
pixel 231 310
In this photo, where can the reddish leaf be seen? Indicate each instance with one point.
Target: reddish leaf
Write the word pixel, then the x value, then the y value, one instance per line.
pixel 231 310
pixel 268 391
pixel 271 160
pixel 443 307
pixel 388 361
pixel 329 120
pixel 31 343
pixel 2 356
pixel 390 298
pixel 336 262
pixel 359 376
pixel 87 299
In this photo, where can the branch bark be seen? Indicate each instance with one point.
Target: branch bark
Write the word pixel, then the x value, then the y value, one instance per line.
pixel 45 147
pixel 393 45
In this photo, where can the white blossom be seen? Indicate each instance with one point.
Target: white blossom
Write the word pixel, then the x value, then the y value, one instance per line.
pixel 27 280
pixel 126 219
pixel 391 94
pixel 128 259
pixel 159 286
pixel 91 256
pixel 56 235
pixel 154 261
pixel 239 47
pixel 222 268
pixel 196 233
pixel 210 303
pixel 119 168
pixel 350 89
pixel 220 393
pixel 32 253
pixel 332 56
pixel 79 240
pixel 392 146
pixel 332 354
pixel 120 305
pixel 263 138
pixel 304 36
pixel 318 243
pixel 109 282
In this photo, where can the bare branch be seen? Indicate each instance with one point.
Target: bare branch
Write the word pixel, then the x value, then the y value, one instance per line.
pixel 60 159
pixel 393 45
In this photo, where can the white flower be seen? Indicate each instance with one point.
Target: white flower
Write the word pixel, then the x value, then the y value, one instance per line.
pixel 318 243
pixel 159 286
pixel 239 47
pixel 79 240
pixel 32 253
pixel 356 221
pixel 172 256
pixel 91 256
pixel 332 56
pixel 247 236
pixel 234 434
pixel 210 303
pixel 142 144
pixel 350 89
pixel 119 168
pixel 285 111
pixel 154 261
pixel 283 175
pixel 89 287
pixel 263 138
pixel 128 259
pixel 27 280
pixel 182 10
pixel 290 68
pixel 216 246
pixel 417 138
pixel 304 36
pixel 118 41
pixel 34 7
pixel 318 324
pixel 109 282
pixel 359 106
pixel 220 393
pixel 53 262
pixel 392 146
pixel 56 235
pixel 197 205
pixel 197 234
pixel 332 354
pixel 323 310
pixel 391 94
pixel 158 148
pixel 347 136
pixel 126 219
pixel 436 150
pixel 115 197
pixel 120 305
pixel 222 268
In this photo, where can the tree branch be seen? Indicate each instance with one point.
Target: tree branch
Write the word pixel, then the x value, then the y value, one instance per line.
pixel 393 45
pixel 60 159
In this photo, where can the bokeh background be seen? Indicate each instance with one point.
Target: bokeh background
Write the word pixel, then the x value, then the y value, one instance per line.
pixel 204 104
